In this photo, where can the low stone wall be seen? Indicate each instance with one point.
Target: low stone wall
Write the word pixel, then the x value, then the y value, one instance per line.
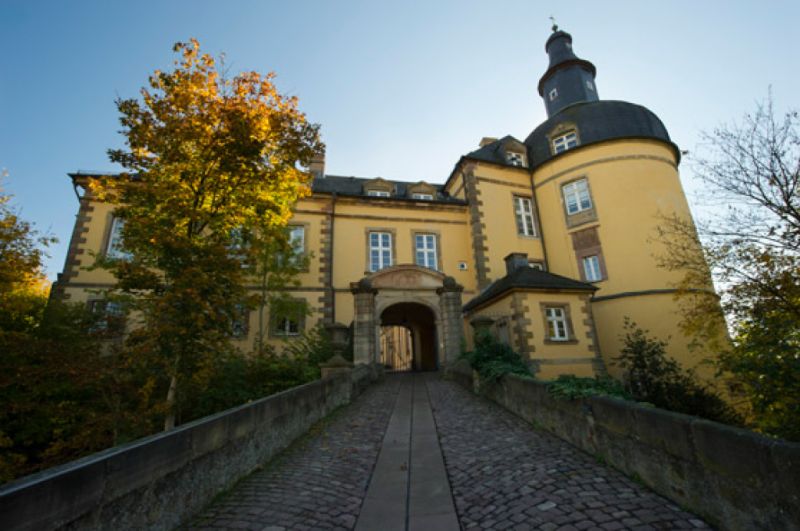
pixel 734 478
pixel 160 481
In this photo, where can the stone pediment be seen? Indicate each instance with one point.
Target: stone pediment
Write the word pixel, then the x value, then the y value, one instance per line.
pixel 406 276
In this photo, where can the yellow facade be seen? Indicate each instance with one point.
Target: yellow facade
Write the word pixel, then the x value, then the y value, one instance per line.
pixel 581 199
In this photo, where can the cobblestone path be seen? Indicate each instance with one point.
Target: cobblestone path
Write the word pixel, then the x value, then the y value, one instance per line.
pixel 503 473
pixel 319 483
pixel 507 475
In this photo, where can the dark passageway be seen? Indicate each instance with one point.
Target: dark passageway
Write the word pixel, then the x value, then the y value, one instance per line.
pixel 408 337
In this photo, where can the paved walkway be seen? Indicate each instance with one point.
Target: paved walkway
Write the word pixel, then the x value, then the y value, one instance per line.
pixel 416 452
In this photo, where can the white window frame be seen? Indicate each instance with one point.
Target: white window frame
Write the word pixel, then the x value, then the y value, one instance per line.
pixel 297 239
pixel 114 249
pixel 423 197
pixel 283 326
pixel 523 213
pixel 557 325
pixel 553 94
pixel 380 250
pixel 565 141
pixel 515 159
pixel 591 268
pixel 536 264
pixel 426 255
pixel 576 196
pixel 378 193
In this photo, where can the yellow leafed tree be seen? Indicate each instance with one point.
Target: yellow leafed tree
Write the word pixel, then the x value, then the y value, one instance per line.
pixel 213 166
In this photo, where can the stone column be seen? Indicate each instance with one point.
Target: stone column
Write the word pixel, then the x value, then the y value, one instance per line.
pixel 364 344
pixel 452 325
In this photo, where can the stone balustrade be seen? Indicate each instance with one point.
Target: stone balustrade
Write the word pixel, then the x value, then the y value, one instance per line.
pixel 734 478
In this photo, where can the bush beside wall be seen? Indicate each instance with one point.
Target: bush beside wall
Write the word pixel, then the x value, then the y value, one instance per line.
pixel 734 478
pixel 161 481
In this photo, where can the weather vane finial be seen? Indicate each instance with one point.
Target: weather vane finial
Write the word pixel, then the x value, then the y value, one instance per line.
pixel 555 26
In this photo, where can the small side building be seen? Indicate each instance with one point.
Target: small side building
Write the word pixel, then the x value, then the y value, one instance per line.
pixel 545 317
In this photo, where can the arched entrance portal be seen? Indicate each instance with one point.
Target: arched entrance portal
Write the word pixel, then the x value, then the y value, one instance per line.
pixel 404 325
pixel 420 299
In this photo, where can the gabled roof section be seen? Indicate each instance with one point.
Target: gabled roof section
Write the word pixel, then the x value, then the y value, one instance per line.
pixel 421 187
pixel 529 279
pixel 496 152
pixel 378 183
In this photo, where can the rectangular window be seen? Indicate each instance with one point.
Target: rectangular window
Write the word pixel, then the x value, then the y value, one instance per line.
pixel 425 250
pixel 114 248
pixel 380 250
pixel 297 239
pixel 576 196
pixel 286 326
pixel 535 264
pixel 107 316
pixel 515 159
pixel 425 197
pixel 556 324
pixel 287 318
pixel 591 268
pixel 240 326
pixel 378 193
pixel 523 211
pixel 565 142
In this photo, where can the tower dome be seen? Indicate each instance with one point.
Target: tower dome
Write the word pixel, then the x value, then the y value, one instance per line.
pixel 573 105
pixel 569 79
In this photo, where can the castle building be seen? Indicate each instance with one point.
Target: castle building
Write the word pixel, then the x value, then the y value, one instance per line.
pixel 547 242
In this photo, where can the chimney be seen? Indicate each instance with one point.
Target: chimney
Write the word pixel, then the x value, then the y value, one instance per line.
pixel 487 140
pixel 317 166
pixel 516 261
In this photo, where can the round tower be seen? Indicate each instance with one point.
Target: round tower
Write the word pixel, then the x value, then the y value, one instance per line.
pixel 605 174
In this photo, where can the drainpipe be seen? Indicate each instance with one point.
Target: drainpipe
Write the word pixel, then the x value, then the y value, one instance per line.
pixel 539 223
pixel 330 261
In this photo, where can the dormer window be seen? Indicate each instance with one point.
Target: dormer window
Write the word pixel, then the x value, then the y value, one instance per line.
pixel 564 142
pixel 515 159
pixel 553 94
pixel 421 191
pixel 378 193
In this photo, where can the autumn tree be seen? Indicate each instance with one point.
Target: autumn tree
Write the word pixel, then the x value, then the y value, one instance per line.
pixel 207 159
pixel 750 247
pixel 23 286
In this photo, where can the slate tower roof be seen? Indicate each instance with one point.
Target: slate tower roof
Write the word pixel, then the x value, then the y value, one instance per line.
pixel 570 96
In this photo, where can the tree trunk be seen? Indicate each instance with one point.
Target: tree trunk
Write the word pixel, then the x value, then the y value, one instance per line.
pixel 169 420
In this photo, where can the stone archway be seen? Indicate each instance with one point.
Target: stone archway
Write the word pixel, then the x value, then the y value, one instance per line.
pixel 419 322
pixel 407 284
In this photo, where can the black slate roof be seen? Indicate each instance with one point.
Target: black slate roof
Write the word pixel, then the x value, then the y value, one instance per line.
pixel 597 121
pixel 347 186
pixel 354 186
pixel 527 278
pixel 495 152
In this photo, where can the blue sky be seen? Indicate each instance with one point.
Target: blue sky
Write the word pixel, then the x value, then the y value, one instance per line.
pixel 402 89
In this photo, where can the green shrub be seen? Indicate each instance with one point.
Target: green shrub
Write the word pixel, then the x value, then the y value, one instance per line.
pixel 313 345
pixel 492 359
pixel 572 387
pixel 651 376
pixel 243 378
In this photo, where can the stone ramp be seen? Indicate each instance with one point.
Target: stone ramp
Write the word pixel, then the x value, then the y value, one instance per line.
pixel 417 452
pixel 506 474
pixel 319 482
